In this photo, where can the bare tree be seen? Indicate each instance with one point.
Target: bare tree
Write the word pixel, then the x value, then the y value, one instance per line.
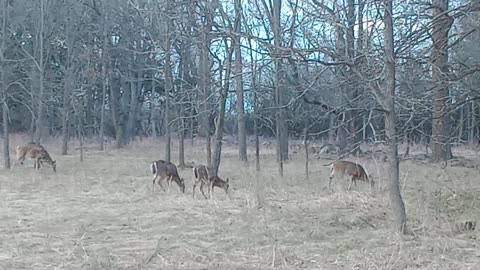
pixel 390 120
pixel 4 93
pixel 205 73
pixel 168 77
pixel 442 23
pixel 39 73
pixel 219 122
pixel 104 79
pixel 242 135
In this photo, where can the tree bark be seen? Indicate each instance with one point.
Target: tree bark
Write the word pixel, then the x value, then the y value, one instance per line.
pixel 205 64
pixel 219 123
pixel 281 125
pixel 133 105
pixel 67 87
pixel 116 119
pixel 257 139
pixel 66 110
pixel 442 23
pixel 101 135
pixel 104 78
pixel 40 123
pixel 242 135
pixel 305 144
pixel 181 145
pixel 6 133
pixel 471 134
pixel 396 200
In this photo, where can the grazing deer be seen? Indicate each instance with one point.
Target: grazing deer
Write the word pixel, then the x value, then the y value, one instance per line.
pixel 205 176
pixel 37 153
pixel 216 181
pixel 356 171
pixel 200 175
pixel 23 149
pixel 164 169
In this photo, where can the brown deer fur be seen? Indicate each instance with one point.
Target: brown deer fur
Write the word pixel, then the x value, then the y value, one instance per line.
pixel 164 169
pixel 353 170
pixel 205 176
pixel 35 152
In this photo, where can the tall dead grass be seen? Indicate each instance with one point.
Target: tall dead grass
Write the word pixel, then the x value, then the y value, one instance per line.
pixel 102 214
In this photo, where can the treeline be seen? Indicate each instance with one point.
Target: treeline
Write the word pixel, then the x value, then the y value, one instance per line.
pixel 203 68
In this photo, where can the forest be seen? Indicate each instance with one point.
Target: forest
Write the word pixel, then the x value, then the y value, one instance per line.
pixel 196 79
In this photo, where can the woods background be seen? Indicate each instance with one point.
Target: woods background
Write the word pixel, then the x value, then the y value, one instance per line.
pixel 283 69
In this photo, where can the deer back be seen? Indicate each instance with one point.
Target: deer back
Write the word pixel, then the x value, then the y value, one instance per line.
pixel 351 169
pixel 202 172
pixel 165 168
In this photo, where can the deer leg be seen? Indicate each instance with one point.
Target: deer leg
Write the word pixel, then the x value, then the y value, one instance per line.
pixel 330 181
pixel 195 183
pixel 351 182
pixel 201 189
pixel 210 189
pixel 159 182
pixel 13 165
pixel 169 183
pixel 36 164
pixel 154 178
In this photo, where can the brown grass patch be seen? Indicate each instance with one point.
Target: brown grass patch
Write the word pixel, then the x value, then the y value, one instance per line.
pixel 101 214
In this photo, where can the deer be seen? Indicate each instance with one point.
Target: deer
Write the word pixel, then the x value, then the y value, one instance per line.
pixel 355 171
pixel 37 153
pixel 164 169
pixel 23 149
pixel 205 176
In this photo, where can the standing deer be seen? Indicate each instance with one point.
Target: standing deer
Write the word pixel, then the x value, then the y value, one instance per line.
pixel 216 181
pixel 164 169
pixel 355 171
pixel 205 176
pixel 37 153
pixel 200 175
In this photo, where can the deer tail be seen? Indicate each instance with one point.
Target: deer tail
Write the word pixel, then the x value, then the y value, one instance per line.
pixel 195 173
pixel 328 164
pixel 153 167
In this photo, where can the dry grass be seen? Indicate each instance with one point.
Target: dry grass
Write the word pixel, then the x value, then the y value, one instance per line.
pixel 101 214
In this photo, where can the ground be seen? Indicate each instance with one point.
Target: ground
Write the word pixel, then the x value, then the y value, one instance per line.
pixel 102 214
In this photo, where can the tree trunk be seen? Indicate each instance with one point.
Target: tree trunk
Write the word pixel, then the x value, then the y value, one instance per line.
pixel 132 111
pixel 257 143
pixel 153 113
pixel 66 111
pixel 281 125
pixel 471 134
pixel 40 123
pixel 116 119
pixel 6 133
pixel 305 144
pixel 205 65
pixel 168 89
pixel 242 135
pixel 396 200
pixel 6 136
pixel 219 123
pixel 101 136
pixel 331 127
pixel 461 124
pixel 181 145
pixel 442 23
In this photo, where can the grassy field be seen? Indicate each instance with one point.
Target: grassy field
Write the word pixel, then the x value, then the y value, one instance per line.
pixel 102 214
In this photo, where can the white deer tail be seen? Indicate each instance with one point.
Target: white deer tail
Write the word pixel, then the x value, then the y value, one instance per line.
pixel 153 167
pixel 195 173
